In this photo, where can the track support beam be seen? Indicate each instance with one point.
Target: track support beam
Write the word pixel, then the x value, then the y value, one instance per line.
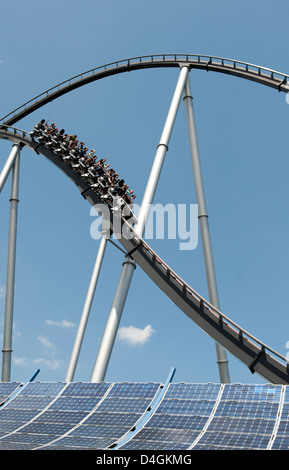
pixel 129 265
pixel 204 226
pixel 8 165
pixel 11 259
pixel 86 310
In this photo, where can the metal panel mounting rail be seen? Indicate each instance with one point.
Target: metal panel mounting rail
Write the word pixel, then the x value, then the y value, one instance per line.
pixel 256 355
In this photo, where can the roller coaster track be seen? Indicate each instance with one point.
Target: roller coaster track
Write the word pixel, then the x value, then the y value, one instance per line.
pixel 258 74
pixel 240 343
pixel 252 352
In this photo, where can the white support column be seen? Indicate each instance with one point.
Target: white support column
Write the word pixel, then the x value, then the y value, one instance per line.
pixel 8 165
pixel 110 332
pixel 11 258
pixel 204 226
pixel 86 310
pixel 162 149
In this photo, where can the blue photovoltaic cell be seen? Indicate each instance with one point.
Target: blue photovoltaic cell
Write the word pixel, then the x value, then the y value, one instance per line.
pixel 260 393
pixel 15 446
pixel 45 389
pixel 112 419
pixel 242 425
pixel 6 389
pixel 140 390
pixel 186 407
pixel 75 403
pixel 248 409
pixel 56 416
pixel 86 389
pixel 63 413
pixel 164 421
pixel 82 442
pixel 46 428
pixel 132 405
pixel 30 402
pixel 191 391
pixel 22 438
pixel 245 418
pixel 9 426
pixel 231 441
pixel 16 415
pixel 179 418
pixel 281 440
pixel 115 415
pixel 112 432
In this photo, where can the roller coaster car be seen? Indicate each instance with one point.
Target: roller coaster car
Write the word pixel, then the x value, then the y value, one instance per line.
pixel 119 205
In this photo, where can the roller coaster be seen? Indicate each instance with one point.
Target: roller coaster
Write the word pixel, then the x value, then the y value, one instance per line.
pixel 229 336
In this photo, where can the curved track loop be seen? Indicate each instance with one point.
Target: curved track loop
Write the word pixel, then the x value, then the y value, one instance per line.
pixel 235 339
pixel 258 74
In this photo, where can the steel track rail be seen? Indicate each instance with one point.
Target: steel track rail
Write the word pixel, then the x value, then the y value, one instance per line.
pixel 256 73
pixel 254 353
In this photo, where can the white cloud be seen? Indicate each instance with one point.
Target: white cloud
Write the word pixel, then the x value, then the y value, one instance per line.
pixel 45 341
pixel 20 361
pixel 62 323
pixel 133 335
pixel 48 363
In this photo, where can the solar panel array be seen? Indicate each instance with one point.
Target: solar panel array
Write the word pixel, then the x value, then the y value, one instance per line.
pixel 78 415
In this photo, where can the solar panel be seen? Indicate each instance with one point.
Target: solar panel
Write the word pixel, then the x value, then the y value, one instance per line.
pixel 82 442
pixel 248 392
pixel 191 391
pixel 15 446
pixel 179 418
pixel 112 432
pixel 231 441
pixel 30 402
pixel 98 415
pixel 113 416
pixel 281 439
pixel 6 389
pixel 51 389
pixel 60 411
pixel 112 419
pixel 56 416
pixel 75 403
pixel 139 390
pixel 84 389
pixel 244 418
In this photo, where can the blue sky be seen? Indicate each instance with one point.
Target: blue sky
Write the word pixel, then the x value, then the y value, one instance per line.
pixel 243 140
